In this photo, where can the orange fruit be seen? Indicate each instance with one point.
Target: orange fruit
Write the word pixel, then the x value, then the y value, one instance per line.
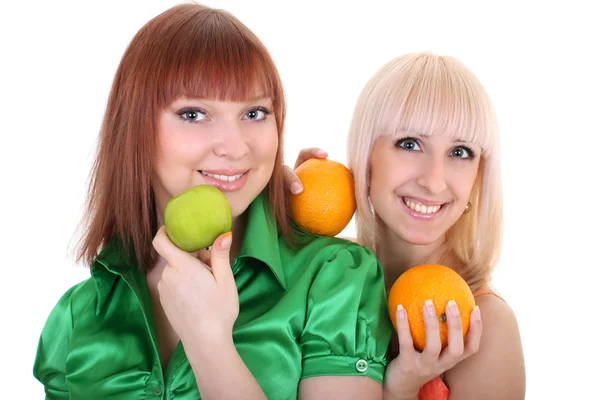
pixel 438 283
pixel 327 204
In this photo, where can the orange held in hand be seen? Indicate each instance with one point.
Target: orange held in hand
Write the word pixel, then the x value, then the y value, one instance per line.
pixel 327 203
pixel 438 283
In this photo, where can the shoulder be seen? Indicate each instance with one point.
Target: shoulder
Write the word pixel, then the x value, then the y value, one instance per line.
pixel 329 251
pixel 74 301
pixel 498 366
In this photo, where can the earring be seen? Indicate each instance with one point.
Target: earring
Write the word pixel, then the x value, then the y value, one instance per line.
pixel 468 208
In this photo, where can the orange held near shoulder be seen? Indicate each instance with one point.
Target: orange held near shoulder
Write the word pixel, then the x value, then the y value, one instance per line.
pixel 327 204
pixel 438 283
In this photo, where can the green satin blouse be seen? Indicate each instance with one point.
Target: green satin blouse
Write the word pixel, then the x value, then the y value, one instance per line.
pixel 315 309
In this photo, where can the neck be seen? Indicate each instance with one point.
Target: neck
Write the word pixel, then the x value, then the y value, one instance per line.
pixel 396 255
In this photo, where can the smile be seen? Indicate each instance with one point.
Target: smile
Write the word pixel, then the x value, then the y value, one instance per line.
pixel 224 178
pixel 422 208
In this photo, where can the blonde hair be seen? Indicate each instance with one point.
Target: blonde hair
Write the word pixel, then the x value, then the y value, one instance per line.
pixel 426 94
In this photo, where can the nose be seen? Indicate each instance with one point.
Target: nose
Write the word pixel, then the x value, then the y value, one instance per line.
pixel 433 176
pixel 232 142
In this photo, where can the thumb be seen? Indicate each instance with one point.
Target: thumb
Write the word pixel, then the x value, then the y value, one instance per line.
pixel 292 181
pixel 219 257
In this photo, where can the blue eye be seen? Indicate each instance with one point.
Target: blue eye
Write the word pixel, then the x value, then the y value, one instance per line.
pixel 193 115
pixel 257 114
pixel 408 144
pixel 462 152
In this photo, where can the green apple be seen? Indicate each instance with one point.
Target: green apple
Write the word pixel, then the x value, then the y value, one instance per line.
pixel 195 218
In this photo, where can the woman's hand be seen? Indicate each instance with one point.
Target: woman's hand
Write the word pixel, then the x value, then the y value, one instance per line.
pixel 291 179
pixel 412 369
pixel 200 299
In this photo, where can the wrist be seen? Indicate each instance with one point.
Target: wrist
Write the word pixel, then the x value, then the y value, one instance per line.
pixel 398 394
pixel 398 387
pixel 208 346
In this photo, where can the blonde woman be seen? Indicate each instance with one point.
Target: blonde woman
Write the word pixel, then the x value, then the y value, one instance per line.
pixel 424 150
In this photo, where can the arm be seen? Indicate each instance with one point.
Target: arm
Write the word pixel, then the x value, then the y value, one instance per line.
pixel 347 330
pixel 192 292
pixel 497 370
pixel 53 348
pixel 220 371
pixel 339 387
pixel 412 371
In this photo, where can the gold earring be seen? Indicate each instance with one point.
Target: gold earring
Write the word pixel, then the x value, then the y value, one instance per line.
pixel 468 208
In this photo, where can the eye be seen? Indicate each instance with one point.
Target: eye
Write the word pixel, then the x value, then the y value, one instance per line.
pixel 193 115
pixel 408 144
pixel 257 114
pixel 462 152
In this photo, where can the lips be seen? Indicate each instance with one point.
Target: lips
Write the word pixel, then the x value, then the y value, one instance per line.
pixel 225 180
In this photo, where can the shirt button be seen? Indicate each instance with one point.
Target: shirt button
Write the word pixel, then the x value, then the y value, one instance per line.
pixel 158 391
pixel 362 365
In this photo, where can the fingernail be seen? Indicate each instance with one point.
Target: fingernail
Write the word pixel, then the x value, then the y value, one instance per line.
pixel 296 188
pixel 429 307
pixel 453 308
pixel 226 241
pixel 322 153
pixel 401 312
pixel 477 313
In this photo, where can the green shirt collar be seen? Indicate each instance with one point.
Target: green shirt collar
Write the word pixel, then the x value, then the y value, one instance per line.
pixel 261 242
pixel 261 239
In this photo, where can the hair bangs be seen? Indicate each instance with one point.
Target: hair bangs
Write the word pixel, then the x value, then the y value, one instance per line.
pixel 224 63
pixel 437 98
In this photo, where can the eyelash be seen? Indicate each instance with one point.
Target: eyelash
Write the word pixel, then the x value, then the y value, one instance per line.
pixel 184 111
pixel 468 150
pixel 266 111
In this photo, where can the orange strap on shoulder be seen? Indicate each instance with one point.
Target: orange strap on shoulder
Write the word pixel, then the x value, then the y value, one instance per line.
pixel 488 291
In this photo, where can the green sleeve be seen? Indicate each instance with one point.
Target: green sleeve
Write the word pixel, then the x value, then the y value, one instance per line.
pixel 53 348
pixel 347 329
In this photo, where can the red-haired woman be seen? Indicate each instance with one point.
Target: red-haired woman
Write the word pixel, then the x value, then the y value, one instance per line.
pixel 267 312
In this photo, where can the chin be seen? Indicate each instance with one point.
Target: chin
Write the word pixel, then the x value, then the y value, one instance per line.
pixel 418 238
pixel 239 202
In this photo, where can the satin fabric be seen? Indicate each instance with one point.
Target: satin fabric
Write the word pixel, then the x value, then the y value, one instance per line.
pixel 316 308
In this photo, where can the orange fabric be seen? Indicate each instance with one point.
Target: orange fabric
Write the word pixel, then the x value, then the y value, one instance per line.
pixel 436 389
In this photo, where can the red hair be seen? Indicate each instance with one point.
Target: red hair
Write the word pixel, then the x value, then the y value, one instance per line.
pixel 189 50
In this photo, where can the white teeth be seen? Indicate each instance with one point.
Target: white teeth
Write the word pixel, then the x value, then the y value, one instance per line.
pixel 422 208
pixel 224 178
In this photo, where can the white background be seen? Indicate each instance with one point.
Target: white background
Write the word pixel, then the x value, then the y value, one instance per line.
pixel 539 63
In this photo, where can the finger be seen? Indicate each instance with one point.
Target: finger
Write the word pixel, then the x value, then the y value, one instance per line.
pixel 433 344
pixel 219 258
pixel 454 351
pixel 306 154
pixel 292 181
pixel 405 342
pixel 473 338
pixel 203 255
pixel 166 249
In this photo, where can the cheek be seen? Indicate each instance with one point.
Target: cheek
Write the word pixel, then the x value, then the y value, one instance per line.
pixel 265 144
pixel 391 170
pixel 181 149
pixel 463 181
